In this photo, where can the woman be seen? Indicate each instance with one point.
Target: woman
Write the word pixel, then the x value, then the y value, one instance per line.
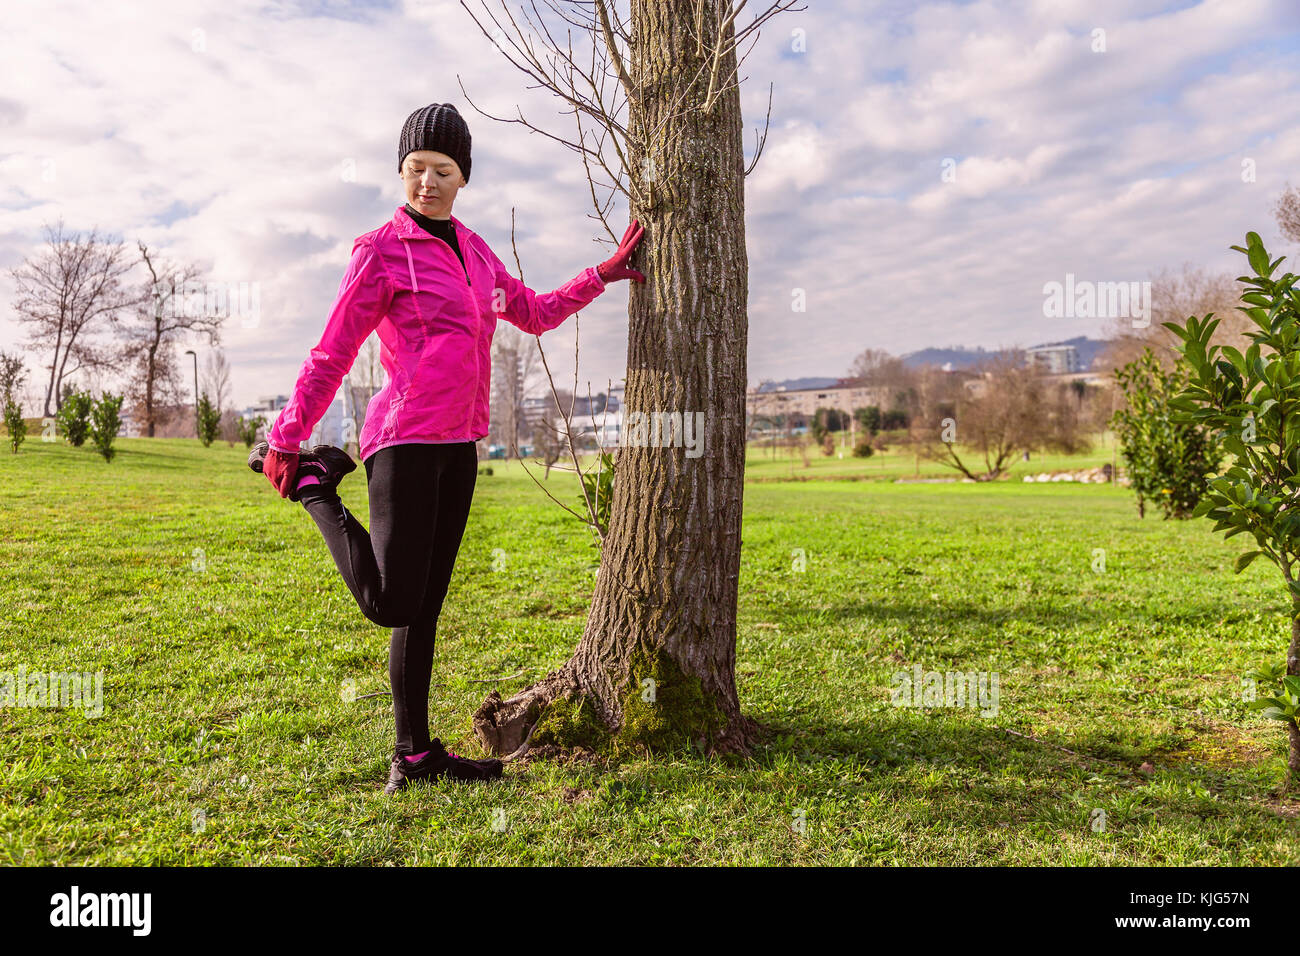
pixel 434 291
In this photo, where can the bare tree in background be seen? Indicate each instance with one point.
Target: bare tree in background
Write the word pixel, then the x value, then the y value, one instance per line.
pixel 214 377
pixel 164 315
pixel 214 381
pixel 771 410
pixel 1174 296
pixel 1286 210
pixel 877 367
pixel 656 662
pixel 67 295
pixel 548 444
pixel 1017 409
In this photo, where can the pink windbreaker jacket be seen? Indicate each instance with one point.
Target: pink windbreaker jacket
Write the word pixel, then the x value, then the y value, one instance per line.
pixel 435 328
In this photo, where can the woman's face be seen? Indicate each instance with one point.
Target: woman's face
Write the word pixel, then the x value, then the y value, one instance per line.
pixel 432 180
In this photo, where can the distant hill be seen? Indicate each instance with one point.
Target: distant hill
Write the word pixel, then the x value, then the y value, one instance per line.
pixel 794 384
pixel 962 357
pixel 959 356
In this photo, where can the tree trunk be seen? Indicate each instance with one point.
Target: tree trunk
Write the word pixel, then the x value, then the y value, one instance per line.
pixel 150 373
pixel 656 663
pixel 54 362
pixel 1293 668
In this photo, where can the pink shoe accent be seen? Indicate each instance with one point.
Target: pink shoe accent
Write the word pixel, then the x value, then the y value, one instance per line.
pixel 413 758
pixel 312 479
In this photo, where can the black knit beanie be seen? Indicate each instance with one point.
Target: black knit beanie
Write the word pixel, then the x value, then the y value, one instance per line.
pixel 439 127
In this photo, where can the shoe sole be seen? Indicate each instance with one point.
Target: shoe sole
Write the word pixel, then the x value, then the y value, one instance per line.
pixel 392 787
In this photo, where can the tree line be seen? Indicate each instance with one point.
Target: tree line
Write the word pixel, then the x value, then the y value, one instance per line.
pixel 94 308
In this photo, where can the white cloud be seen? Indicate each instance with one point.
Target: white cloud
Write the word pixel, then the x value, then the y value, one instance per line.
pixel 226 147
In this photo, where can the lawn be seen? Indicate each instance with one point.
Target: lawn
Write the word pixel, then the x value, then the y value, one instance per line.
pixel 235 726
pixel 772 461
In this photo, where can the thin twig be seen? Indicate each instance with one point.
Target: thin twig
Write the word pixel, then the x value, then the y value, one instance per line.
pixel 494 680
pixel 1073 753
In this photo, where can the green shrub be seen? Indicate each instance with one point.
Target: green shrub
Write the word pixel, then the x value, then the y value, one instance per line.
pixel 16 424
pixel 1167 460
pixel 209 423
pixel 599 487
pixel 74 417
pixel 895 419
pixel 1253 400
pixel 105 423
pixel 827 420
pixel 863 448
pixel 868 418
pixel 248 428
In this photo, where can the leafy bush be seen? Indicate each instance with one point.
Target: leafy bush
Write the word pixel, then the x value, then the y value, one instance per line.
pixel 863 448
pixel 599 487
pixel 868 418
pixel 1253 400
pixel 74 417
pixel 826 420
pixel 105 423
pixel 1167 460
pixel 895 419
pixel 248 428
pixel 209 420
pixel 12 375
pixel 15 422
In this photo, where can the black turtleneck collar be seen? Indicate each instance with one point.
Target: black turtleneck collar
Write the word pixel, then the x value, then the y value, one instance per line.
pixel 428 223
pixel 444 229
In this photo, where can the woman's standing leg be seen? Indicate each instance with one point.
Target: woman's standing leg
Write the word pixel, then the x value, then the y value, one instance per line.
pixel 410 651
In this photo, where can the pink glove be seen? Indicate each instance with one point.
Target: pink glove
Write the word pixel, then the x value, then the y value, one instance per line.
pixel 280 469
pixel 615 267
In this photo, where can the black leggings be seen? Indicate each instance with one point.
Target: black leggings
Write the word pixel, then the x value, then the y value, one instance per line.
pixel 399 571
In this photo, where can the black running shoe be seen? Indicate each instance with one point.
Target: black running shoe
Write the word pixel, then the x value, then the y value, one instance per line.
pixel 439 763
pixel 326 462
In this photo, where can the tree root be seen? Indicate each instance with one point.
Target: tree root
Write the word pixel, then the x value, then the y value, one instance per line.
pixel 506 726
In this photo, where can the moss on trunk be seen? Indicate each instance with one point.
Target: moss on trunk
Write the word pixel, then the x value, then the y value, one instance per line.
pixel 662 708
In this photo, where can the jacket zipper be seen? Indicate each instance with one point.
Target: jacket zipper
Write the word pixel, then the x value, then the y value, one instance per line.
pixel 415 287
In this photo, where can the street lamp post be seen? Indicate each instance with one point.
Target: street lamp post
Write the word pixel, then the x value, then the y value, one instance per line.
pixel 196 390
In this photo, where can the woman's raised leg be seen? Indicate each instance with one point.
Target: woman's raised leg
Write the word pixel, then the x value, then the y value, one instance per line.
pixel 386 567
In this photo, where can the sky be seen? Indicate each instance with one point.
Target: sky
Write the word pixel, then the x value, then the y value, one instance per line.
pixel 928 169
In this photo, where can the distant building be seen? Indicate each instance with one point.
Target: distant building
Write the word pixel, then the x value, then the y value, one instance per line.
pixel 1055 359
pixel 267 406
pixel 599 406
pixel 978 385
pixel 806 401
pixel 336 427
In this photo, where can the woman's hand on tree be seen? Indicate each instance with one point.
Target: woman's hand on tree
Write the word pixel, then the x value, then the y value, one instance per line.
pixel 615 267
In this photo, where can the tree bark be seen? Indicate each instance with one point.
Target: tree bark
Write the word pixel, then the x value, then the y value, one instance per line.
pixel 1293 731
pixel 656 663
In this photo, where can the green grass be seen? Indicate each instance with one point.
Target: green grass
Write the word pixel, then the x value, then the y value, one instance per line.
pixel 228 644
pixel 766 461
